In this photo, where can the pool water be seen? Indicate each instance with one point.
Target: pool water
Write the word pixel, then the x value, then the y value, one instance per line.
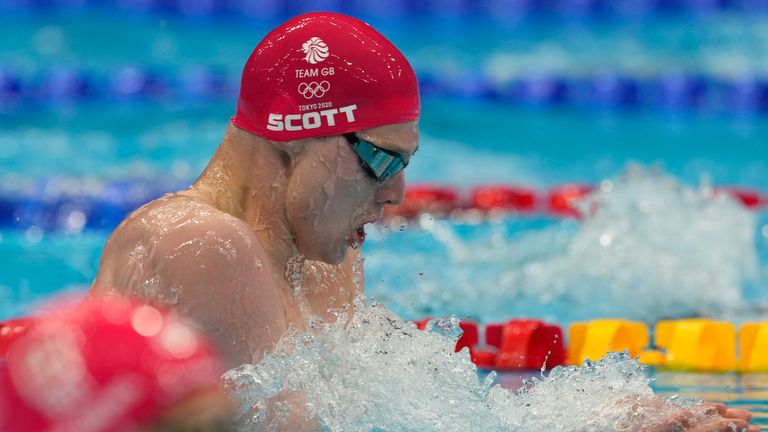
pixel 699 249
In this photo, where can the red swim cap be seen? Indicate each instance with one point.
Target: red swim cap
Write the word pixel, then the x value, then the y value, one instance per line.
pixel 102 366
pixel 324 74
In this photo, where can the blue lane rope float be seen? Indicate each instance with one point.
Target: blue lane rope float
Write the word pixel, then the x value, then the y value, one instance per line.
pixel 502 9
pixel 67 85
pixel 49 207
pixel 673 91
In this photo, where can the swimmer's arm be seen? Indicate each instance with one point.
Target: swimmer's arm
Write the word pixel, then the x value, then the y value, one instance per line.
pixel 216 270
pixel 227 289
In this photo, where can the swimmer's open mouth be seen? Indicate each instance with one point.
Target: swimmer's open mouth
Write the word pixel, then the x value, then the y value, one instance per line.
pixel 357 237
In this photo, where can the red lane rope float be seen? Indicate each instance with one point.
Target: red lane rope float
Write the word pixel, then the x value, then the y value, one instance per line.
pixel 422 323
pixel 484 359
pixel 751 198
pixel 484 356
pixel 426 198
pixel 514 344
pixel 563 197
pixel 521 344
pixel 530 344
pixel 470 336
pixel 510 198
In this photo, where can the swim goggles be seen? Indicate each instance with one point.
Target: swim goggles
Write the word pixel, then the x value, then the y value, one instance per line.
pixel 379 163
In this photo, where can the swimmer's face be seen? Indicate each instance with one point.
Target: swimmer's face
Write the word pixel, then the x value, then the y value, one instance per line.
pixel 331 196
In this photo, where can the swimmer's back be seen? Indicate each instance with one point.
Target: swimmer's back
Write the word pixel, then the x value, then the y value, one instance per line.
pixel 183 253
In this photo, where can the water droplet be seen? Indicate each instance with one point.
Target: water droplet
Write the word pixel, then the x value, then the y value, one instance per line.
pixel 294 272
pixel 173 296
pixel 448 327
pixel 75 221
pixel 426 221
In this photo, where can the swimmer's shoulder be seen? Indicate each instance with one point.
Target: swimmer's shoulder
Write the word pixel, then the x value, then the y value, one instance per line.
pixel 203 262
pixel 176 215
pixel 182 223
pixel 177 229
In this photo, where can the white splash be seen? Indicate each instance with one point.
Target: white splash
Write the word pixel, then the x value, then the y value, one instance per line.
pixel 648 248
pixel 379 373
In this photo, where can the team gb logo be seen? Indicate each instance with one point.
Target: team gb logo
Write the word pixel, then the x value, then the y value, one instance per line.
pixel 315 49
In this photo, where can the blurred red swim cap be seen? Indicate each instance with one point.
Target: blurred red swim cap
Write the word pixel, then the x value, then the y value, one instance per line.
pixel 102 366
pixel 324 74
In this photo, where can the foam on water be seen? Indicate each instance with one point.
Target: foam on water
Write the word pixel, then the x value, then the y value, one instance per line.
pixel 648 248
pixel 378 373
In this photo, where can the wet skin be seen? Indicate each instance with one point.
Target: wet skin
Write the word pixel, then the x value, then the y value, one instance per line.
pixel 218 252
pixel 708 417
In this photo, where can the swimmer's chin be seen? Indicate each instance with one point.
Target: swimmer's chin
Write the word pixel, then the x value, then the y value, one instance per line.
pixel 338 254
pixel 329 257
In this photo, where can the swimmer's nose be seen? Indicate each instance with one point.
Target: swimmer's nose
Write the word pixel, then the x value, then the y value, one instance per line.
pixel 392 191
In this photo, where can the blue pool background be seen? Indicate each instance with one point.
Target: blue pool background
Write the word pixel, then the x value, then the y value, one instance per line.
pixel 61 146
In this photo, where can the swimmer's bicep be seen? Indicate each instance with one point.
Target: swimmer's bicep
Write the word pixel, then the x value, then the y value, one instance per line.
pixel 221 282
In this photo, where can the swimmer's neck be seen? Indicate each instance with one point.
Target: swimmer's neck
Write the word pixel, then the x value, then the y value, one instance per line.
pixel 247 179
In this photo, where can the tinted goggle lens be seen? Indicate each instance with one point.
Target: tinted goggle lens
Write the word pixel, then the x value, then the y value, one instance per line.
pixel 381 164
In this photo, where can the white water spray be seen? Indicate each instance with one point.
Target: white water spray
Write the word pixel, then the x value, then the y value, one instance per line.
pixel 379 373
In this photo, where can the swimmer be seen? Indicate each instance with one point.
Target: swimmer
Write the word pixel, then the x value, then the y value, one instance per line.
pixel 267 237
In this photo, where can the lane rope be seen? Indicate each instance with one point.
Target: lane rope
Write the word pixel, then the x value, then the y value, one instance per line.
pixel 56 204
